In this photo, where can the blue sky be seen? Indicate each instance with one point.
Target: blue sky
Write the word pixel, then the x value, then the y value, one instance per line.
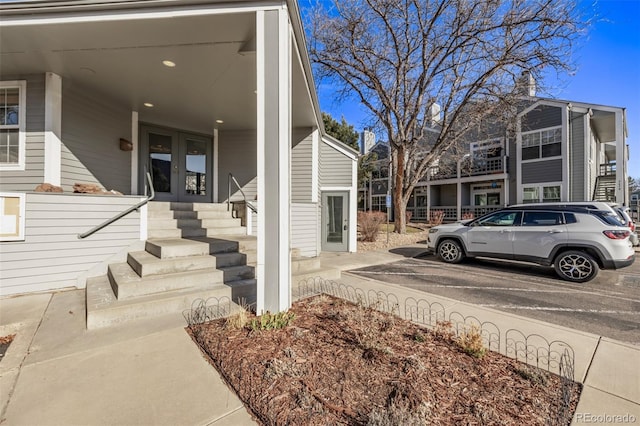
pixel 608 71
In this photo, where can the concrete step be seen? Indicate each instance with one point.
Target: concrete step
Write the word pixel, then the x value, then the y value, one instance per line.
pixel 144 263
pixel 216 232
pixel 199 207
pixel 224 260
pixel 163 233
pixel 192 232
pixel 176 247
pixel 243 292
pixel 228 222
pixel 237 273
pixel 104 310
pixel 170 214
pixel 163 223
pixel 301 265
pixel 213 214
pixel 127 284
pixel 228 243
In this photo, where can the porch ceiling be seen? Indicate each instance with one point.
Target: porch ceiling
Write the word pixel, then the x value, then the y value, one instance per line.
pixel 121 62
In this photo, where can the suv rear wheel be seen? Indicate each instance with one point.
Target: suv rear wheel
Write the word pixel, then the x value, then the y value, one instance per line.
pixel 450 251
pixel 576 266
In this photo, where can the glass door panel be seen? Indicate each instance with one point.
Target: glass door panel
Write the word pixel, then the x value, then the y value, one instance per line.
pixel 335 220
pixel 195 168
pixel 161 160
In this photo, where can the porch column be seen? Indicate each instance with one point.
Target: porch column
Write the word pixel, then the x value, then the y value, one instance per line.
pixel 53 129
pixel 622 190
pixel 274 165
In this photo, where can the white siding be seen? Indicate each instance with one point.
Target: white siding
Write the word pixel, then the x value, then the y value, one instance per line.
pixel 33 175
pixel 91 132
pixel 304 228
pixel 336 167
pixel 237 154
pixel 52 257
pixel 301 166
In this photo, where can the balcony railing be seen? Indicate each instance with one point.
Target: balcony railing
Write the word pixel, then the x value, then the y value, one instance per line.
pixel 476 167
pixel 608 169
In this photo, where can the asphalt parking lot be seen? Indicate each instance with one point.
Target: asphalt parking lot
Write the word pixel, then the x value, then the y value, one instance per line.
pixel 609 305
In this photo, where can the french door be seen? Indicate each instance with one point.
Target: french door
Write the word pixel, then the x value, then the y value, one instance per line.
pixel 180 164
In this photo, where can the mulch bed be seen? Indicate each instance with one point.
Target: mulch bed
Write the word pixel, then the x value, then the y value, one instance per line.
pixel 339 363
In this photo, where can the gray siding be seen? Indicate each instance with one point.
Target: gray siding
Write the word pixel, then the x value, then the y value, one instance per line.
pixel 33 175
pixel 237 154
pixel 91 131
pixel 305 228
pixel 541 117
pixel 301 166
pixel 577 146
pixel 542 171
pixel 52 257
pixel 448 195
pixel 336 167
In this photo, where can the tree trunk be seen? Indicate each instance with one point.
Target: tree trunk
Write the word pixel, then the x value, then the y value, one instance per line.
pixel 399 204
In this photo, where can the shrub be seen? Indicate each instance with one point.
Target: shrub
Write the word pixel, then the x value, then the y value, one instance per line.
pixel 468 216
pixel 269 321
pixel 471 342
pixel 369 224
pixel 436 217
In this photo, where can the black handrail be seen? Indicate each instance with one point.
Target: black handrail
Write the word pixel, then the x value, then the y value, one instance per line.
pixel 122 214
pixel 248 204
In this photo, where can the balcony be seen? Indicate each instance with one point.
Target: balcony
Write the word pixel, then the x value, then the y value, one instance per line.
pixel 469 167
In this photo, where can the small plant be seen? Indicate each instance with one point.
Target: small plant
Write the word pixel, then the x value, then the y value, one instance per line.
pixel 444 330
pixel 534 375
pixel 419 337
pixel 436 217
pixel 269 321
pixel 369 224
pixel 471 342
pixel 239 319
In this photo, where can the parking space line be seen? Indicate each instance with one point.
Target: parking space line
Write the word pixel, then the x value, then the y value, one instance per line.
pixel 557 309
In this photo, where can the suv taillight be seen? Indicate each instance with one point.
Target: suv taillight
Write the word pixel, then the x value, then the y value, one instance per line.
pixel 632 226
pixel 616 235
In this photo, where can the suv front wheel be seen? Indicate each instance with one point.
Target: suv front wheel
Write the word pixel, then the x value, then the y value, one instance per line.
pixel 576 266
pixel 450 251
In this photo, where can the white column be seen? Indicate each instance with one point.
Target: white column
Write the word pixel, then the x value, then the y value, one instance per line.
pixel 135 160
pixel 274 162
pixel 621 161
pixel 53 129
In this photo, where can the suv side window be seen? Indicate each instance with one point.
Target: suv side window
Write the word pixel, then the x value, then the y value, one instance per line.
pixel 570 218
pixel 508 218
pixel 535 218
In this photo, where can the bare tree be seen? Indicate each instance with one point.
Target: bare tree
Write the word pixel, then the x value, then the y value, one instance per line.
pixel 406 59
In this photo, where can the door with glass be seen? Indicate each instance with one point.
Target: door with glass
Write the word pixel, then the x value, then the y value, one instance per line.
pixel 335 221
pixel 180 164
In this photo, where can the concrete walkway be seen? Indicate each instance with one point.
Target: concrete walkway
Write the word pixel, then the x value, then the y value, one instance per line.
pixel 151 373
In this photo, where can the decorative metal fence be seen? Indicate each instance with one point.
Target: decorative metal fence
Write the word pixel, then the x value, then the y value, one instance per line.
pixel 555 356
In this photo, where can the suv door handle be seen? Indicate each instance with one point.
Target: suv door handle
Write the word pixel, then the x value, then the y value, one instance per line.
pixel 554 231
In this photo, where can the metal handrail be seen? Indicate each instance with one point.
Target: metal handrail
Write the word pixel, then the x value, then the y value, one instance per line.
pixel 121 214
pixel 247 203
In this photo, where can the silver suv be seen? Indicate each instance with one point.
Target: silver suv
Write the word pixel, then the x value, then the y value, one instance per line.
pixel 577 241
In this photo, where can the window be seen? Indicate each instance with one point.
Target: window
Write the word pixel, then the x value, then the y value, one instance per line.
pixel 551 194
pixel 498 219
pixel 530 195
pixel 12 125
pixel 541 218
pixel 542 144
pixel 542 193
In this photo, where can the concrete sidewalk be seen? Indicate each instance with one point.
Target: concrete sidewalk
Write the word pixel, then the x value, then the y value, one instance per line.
pixel 151 373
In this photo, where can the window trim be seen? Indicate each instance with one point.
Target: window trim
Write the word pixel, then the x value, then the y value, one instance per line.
pixel 540 186
pixel 540 144
pixel 21 85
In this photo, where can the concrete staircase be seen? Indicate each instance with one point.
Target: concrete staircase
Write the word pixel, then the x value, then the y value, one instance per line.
pixel 194 251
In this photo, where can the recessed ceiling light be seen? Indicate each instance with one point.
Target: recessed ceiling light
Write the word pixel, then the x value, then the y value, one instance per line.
pixel 219 121
pixel 148 104
pixel 168 63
